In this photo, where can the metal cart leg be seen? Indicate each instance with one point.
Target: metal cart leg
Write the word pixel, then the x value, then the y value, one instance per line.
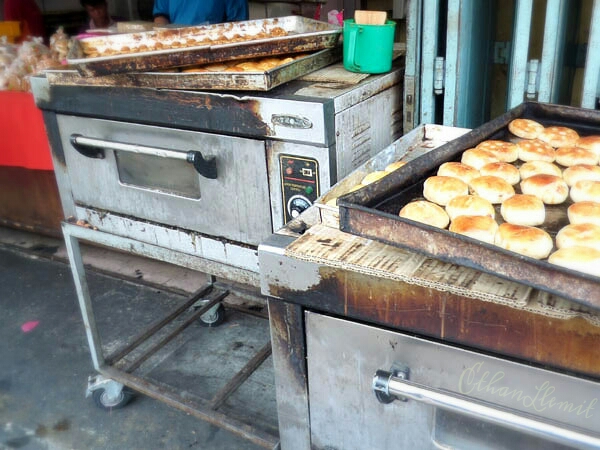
pixel 112 388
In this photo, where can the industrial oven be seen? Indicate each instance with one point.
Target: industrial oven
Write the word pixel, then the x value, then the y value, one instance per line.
pixel 378 346
pixel 211 173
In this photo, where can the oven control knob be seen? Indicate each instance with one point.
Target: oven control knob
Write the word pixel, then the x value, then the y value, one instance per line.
pixel 297 205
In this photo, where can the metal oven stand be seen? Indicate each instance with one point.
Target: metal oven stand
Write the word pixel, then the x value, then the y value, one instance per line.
pixel 111 388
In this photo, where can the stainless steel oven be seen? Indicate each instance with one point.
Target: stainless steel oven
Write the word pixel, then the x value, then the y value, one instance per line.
pixel 211 173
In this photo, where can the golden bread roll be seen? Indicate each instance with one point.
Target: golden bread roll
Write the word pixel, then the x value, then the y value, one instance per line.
pixel 477 157
pixel 571 156
pixel 441 190
pixel 458 170
pixel 559 136
pixel 584 212
pixel 394 166
pixel 504 151
pixel 482 228
pixel 531 168
pixel 193 70
pixel 249 66
pixel 425 212
pixel 217 67
pixel 469 205
pixel 586 191
pixel 504 170
pixel 525 128
pixel 527 241
pixel 580 172
pixel 590 143
pixel 579 235
pixel 493 189
pixel 373 177
pixel 581 259
pixel 550 189
pixel 522 209
pixel 535 150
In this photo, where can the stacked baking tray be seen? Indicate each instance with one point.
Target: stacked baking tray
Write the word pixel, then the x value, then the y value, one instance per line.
pixel 188 46
pixel 372 212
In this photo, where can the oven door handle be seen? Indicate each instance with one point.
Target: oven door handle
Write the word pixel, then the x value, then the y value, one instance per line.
pixel 94 148
pixel 389 386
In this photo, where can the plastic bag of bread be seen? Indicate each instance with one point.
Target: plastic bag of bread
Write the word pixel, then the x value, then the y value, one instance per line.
pixel 60 45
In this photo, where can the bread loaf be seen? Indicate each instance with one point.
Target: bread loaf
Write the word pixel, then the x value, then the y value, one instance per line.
pixel 425 212
pixel 527 241
pixel 521 209
pixel 550 189
pixel 441 190
pixel 482 228
pixel 493 189
pixel 581 259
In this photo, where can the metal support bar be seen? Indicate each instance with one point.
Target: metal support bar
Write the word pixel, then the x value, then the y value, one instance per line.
pixel 519 53
pixel 193 407
pixel 239 378
pixel 133 365
pixel 431 10
pixel 552 54
pixel 591 77
pixel 386 384
pixel 152 329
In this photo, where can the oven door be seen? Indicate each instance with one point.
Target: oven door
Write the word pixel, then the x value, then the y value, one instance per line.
pixel 213 184
pixel 455 398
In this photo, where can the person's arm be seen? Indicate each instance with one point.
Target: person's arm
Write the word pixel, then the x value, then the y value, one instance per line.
pixel 236 10
pixel 161 12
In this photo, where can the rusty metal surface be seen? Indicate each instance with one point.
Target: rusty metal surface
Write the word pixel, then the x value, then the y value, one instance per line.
pixel 569 345
pixel 303 35
pixel 372 212
pixel 257 81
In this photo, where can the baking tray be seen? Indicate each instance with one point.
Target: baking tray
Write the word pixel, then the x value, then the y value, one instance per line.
pixel 247 81
pixel 372 212
pixel 153 50
pixel 415 143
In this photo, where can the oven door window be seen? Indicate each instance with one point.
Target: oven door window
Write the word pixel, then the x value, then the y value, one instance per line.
pixel 170 176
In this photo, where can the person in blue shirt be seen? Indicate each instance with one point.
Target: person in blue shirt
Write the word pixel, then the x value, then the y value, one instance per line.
pixel 199 12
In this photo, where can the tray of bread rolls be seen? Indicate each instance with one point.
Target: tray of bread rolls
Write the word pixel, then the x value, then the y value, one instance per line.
pixel 257 74
pixel 165 48
pixel 518 197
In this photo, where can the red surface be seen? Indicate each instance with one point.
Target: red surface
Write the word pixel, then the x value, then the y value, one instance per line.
pixel 23 140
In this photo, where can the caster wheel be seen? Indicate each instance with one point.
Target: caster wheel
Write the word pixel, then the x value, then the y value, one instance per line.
pixel 103 401
pixel 214 317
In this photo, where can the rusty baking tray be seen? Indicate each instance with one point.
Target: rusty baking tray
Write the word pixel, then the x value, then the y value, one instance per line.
pixel 245 81
pixel 372 212
pixel 188 46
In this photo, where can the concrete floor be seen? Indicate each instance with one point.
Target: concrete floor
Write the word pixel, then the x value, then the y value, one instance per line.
pixel 44 368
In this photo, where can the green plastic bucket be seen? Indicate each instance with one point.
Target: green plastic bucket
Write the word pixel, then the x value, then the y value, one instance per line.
pixel 368 48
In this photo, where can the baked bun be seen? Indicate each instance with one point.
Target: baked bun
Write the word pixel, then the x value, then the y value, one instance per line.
pixel 535 150
pixel 580 172
pixel 579 235
pixel 571 156
pixel 469 205
pixel 590 143
pixel 531 168
pixel 373 177
pixel 586 191
pixel 482 228
pixel 458 170
pixel 559 136
pixel 441 190
pixel 525 128
pixel 550 189
pixel 522 209
pixel 394 166
pixel 528 241
pixel 493 189
pixel 504 151
pixel 425 212
pixel 581 259
pixel 504 170
pixel 584 212
pixel 478 157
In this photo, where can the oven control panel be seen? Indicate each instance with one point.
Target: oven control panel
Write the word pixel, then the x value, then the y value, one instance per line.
pixel 299 184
